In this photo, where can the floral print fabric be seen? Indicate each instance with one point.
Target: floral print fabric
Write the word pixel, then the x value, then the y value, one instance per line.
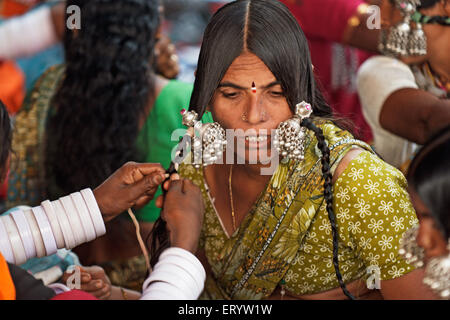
pixel 286 237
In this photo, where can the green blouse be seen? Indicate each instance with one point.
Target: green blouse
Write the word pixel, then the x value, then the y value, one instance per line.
pixel 154 140
pixel 159 135
pixel 372 208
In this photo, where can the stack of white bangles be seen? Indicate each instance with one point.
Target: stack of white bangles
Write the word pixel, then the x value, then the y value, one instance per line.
pixel 41 231
pixel 76 219
pixel 178 275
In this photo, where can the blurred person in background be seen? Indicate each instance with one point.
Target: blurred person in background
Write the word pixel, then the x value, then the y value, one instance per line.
pixel 428 244
pixel 405 93
pixel 340 40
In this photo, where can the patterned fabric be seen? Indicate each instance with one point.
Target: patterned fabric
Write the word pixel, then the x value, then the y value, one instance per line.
pixel 286 236
pixel 130 273
pixel 26 182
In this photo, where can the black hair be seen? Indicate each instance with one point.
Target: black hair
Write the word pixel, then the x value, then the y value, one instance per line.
pixel 429 177
pixel 267 29
pixel 424 4
pixel 104 94
pixel 5 140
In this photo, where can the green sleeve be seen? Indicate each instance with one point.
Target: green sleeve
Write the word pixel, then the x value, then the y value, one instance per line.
pixel 373 210
pixel 156 140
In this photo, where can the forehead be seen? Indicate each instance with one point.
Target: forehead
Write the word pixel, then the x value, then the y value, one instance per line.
pixel 249 68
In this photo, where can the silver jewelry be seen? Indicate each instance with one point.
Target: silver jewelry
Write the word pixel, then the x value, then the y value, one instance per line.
pixel 290 135
pixel 401 40
pixel 208 139
pixel 417 42
pixel 244 116
pixel 410 250
pixel 437 275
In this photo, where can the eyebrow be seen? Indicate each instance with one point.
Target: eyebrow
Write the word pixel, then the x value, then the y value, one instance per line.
pixel 235 86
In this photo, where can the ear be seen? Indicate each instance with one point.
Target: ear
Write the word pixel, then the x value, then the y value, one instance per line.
pixel 446 5
pixel 431 239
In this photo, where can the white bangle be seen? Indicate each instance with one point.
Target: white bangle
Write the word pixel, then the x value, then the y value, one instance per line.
pixel 94 211
pixel 191 262
pixel 36 233
pixel 20 256
pixel 53 220
pixel 85 217
pixel 74 220
pixel 163 291
pixel 25 233
pixel 46 231
pixel 5 244
pixel 175 277
pixel 65 225
pixel 194 274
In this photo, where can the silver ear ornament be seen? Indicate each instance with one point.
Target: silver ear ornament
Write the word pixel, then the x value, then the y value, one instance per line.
pixel 437 275
pixel 208 139
pixel 401 39
pixel 410 250
pixel 290 135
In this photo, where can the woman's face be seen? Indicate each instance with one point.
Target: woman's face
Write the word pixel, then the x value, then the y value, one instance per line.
pixel 257 112
pixel 429 237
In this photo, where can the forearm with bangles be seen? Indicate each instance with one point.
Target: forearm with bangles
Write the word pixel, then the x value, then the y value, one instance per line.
pixel 75 219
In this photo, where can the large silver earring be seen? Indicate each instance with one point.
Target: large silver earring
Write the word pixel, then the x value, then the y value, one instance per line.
pixel 290 135
pixel 400 41
pixel 208 139
pixel 410 250
pixel 437 275
pixel 417 42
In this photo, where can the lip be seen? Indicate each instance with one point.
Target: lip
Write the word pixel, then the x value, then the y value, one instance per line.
pixel 257 142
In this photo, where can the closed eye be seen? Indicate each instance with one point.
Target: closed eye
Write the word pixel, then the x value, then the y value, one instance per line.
pixel 230 95
pixel 277 93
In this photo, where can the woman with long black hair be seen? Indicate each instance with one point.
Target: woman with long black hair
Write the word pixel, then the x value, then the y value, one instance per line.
pixel 332 213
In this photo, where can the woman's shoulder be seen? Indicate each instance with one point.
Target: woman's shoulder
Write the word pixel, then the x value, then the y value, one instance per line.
pixel 45 86
pixel 365 168
pixel 377 78
pixel 175 89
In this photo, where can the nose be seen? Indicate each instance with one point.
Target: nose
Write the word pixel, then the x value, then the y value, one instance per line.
pixel 255 110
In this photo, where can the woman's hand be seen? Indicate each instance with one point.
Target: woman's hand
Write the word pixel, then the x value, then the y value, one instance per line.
pixel 183 212
pixel 132 185
pixel 93 280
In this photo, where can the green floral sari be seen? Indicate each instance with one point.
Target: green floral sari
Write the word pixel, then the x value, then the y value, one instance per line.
pixel 286 236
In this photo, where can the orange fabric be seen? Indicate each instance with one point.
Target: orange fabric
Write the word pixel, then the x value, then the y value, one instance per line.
pixel 7 289
pixel 12 86
pixel 9 8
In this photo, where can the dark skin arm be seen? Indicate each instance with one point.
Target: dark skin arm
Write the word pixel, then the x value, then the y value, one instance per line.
pixel 58 18
pixel 132 185
pixel 183 213
pixel 414 114
pixel 360 36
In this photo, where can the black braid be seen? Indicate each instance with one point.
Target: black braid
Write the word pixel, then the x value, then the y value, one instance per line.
pixel 328 195
pixel 159 237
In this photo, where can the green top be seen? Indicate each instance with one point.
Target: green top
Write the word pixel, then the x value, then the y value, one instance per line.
pixel 159 135
pixel 286 237
pixel 154 140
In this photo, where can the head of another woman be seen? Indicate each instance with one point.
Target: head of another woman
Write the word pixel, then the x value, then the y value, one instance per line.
pixel 105 92
pixel 429 186
pixel 437 35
